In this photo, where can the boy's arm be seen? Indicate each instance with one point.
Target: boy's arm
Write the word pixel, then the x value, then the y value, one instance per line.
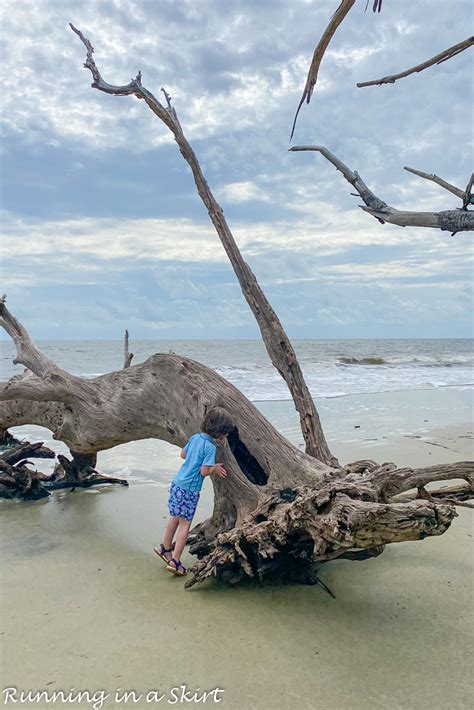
pixel 209 465
pixel 217 468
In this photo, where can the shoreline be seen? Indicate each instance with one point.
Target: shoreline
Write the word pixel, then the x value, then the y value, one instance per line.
pixel 86 604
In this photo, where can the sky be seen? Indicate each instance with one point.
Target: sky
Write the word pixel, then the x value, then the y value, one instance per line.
pixel 102 228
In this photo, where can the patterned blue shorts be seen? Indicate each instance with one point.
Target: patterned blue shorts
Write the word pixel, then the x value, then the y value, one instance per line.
pixel 182 503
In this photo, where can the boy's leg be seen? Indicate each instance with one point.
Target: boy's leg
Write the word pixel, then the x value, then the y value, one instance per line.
pixel 181 537
pixel 171 527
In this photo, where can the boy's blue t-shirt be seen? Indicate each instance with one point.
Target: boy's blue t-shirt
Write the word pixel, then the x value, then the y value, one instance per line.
pixel 200 451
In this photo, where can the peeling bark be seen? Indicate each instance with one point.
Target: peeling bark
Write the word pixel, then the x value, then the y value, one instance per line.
pixel 453 221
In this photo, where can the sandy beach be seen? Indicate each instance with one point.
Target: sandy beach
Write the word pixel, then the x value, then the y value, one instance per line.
pixel 86 605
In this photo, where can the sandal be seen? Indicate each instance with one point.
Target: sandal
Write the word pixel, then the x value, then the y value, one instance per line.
pixel 161 551
pixel 175 567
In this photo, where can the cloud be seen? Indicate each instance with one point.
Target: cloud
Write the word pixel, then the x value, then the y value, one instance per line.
pixel 242 192
pixel 101 218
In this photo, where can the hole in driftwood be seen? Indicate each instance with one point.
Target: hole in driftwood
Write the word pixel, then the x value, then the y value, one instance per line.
pixel 248 464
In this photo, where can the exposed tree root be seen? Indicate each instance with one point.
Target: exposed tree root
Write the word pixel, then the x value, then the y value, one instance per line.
pixel 349 516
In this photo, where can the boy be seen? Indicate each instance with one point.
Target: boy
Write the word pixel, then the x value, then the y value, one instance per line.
pixel 199 456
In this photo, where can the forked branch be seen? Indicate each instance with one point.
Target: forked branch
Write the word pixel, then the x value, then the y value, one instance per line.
pixel 276 341
pixel 452 221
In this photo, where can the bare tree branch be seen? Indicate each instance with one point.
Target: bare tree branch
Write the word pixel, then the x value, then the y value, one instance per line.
pixel 276 341
pixel 449 220
pixel 318 55
pixel 439 181
pixel 127 356
pixel 437 59
pixel 50 381
pixel 26 352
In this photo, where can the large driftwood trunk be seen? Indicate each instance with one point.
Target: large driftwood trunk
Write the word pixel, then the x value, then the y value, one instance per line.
pixel 279 510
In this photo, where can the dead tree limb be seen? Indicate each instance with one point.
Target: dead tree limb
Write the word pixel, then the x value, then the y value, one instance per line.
pixel 49 378
pixel 19 481
pixel 26 450
pixel 276 341
pixel 439 181
pixel 127 355
pixel 437 59
pixel 318 55
pixel 453 221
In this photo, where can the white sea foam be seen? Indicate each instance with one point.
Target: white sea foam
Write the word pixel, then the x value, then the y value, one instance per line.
pixel 332 369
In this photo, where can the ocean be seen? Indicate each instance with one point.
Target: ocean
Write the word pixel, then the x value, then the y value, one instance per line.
pixel 332 368
pixel 395 387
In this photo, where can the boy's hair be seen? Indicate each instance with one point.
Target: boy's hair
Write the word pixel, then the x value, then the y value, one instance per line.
pixel 217 422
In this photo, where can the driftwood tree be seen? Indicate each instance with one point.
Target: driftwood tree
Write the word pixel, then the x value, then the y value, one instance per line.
pixel 280 510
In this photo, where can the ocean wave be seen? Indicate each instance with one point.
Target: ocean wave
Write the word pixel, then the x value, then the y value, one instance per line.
pixel 404 361
pixel 362 361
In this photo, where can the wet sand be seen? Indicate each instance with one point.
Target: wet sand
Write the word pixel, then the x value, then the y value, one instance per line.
pixel 86 605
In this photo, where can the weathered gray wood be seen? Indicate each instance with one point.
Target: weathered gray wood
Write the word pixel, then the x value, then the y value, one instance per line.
pixel 439 181
pixel 341 518
pixel 437 59
pixel 276 341
pixel 449 220
pixel 127 355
